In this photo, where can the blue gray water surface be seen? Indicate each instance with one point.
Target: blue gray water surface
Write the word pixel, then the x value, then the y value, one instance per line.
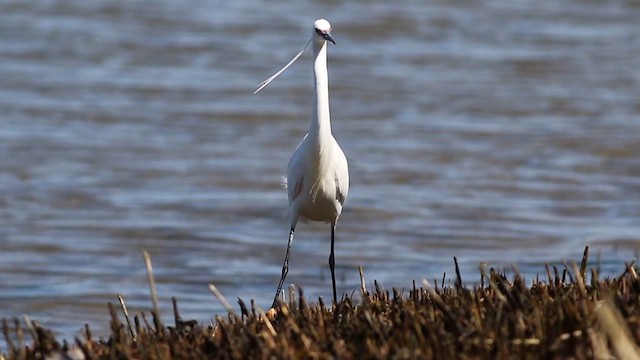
pixel 505 132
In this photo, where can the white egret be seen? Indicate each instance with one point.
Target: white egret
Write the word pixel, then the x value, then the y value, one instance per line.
pixel 318 174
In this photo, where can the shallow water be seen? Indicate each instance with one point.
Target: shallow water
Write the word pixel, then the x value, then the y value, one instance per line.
pixel 505 133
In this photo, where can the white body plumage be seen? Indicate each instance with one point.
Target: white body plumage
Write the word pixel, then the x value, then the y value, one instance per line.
pixel 318 173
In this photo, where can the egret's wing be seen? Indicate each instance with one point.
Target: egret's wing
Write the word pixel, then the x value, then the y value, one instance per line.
pixel 340 194
pixel 341 176
pixel 297 188
pixel 296 171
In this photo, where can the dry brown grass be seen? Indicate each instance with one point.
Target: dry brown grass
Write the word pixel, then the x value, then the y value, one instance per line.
pixel 560 317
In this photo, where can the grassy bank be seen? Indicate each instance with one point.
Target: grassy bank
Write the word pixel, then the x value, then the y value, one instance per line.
pixel 567 313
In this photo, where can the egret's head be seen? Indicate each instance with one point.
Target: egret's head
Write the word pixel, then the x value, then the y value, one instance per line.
pixel 322 29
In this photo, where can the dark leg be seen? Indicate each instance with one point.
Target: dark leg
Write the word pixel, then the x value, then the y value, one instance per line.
pixel 332 264
pixel 285 268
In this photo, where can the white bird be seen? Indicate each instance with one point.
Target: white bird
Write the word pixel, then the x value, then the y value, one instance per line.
pixel 318 174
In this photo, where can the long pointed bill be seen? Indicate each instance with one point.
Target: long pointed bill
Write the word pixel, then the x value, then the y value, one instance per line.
pixel 328 37
pixel 272 77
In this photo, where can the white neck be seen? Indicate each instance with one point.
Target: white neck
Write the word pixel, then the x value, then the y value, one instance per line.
pixel 321 120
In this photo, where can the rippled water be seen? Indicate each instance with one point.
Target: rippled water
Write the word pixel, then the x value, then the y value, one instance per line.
pixel 503 132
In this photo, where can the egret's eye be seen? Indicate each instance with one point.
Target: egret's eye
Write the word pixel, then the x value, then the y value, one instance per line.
pixel 319 32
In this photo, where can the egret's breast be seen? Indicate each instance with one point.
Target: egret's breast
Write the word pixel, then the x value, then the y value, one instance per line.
pixel 320 203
